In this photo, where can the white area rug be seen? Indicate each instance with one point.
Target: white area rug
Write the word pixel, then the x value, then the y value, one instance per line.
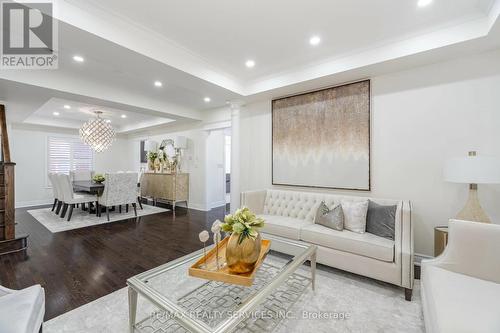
pixel 371 306
pixel 82 219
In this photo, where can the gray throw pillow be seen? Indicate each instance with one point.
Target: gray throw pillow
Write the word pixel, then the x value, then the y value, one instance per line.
pixel 330 218
pixel 380 220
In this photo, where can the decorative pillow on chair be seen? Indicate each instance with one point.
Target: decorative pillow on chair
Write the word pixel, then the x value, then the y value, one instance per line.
pixel 330 218
pixel 355 215
pixel 380 220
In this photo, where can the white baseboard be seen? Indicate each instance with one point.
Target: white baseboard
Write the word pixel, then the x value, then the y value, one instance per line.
pixel 23 204
pixel 196 206
pixel 419 257
pixel 218 204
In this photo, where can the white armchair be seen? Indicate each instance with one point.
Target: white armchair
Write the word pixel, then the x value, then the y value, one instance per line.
pixel 22 311
pixel 461 288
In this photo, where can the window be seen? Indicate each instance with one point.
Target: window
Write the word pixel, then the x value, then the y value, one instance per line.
pixel 67 154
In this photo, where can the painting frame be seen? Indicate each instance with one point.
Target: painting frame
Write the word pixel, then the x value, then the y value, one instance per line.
pixel 368 188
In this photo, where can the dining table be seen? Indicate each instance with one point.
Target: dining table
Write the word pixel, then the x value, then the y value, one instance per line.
pixel 93 187
pixel 88 186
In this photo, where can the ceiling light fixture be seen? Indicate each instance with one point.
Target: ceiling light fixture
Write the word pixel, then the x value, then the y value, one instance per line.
pixel 207 99
pixel 158 84
pixel 108 120
pixel 250 63
pixel 314 40
pixel 424 3
pixel 97 133
pixel 67 107
pixel 78 58
pixel 123 116
pixel 55 113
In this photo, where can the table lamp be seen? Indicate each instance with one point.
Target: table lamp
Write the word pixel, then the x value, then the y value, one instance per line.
pixel 473 170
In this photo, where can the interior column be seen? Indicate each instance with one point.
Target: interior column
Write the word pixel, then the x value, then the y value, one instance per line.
pixel 235 154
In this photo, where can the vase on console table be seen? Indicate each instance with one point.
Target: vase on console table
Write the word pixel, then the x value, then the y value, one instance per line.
pixel 157 165
pixel 244 245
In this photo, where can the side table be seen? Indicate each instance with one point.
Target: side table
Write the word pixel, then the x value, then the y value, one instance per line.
pixel 440 239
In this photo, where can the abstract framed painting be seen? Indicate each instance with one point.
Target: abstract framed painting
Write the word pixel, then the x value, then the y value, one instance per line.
pixel 322 138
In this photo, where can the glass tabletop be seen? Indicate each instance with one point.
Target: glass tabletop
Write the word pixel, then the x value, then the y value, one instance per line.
pixel 201 305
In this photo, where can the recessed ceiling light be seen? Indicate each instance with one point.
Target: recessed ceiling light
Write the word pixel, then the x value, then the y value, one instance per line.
pixel 78 58
pixel 108 120
pixel 423 3
pixel 314 40
pixel 67 107
pixel 55 113
pixel 207 99
pixel 158 84
pixel 124 116
pixel 250 63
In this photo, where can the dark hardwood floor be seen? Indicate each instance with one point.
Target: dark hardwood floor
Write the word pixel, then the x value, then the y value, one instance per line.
pixel 78 266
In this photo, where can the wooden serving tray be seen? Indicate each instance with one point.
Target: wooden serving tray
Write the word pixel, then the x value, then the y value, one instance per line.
pixel 223 274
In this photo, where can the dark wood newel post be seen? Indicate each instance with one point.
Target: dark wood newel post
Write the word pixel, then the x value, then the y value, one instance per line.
pixel 9 242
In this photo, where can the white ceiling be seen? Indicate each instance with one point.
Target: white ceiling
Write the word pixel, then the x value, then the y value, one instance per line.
pixel 198 48
pixel 276 33
pixel 212 39
pixel 81 112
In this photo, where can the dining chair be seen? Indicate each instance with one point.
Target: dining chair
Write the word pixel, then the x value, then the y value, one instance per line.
pixel 119 189
pixel 139 177
pixel 60 199
pixel 70 198
pixel 79 175
pixel 54 189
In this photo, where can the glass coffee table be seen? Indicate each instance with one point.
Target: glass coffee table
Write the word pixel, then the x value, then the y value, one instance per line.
pixel 187 304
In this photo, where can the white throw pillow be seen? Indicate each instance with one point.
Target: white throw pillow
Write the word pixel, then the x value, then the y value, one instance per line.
pixel 355 215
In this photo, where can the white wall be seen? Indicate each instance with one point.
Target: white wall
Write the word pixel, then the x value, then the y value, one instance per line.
pixel 29 152
pixel 419 118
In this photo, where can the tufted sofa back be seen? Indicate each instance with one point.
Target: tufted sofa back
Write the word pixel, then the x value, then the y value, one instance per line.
pixel 303 205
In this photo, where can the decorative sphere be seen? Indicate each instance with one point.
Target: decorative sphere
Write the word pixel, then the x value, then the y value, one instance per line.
pixel 204 236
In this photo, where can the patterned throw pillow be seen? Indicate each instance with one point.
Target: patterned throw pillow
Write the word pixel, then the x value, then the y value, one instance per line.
pixel 355 215
pixel 381 220
pixel 330 218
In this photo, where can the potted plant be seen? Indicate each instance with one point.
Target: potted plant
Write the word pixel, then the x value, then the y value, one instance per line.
pixel 244 244
pixel 98 178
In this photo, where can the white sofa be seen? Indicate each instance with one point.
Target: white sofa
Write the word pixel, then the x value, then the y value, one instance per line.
pixel 22 311
pixel 461 288
pixel 291 214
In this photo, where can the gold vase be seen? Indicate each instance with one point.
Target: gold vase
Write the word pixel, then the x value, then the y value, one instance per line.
pixel 157 165
pixel 241 258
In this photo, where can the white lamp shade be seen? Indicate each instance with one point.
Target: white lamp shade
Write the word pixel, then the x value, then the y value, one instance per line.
pixel 150 145
pixel 473 170
pixel 181 142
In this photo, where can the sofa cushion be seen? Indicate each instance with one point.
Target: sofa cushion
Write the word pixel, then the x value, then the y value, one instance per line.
pixel 22 311
pixel 381 220
pixel 366 244
pixel 283 226
pixel 355 215
pixel 460 303
pixel 330 218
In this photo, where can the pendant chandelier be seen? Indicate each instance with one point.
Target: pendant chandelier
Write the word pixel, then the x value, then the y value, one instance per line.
pixel 97 133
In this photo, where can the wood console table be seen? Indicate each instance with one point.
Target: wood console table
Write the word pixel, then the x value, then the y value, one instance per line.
pixel 165 186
